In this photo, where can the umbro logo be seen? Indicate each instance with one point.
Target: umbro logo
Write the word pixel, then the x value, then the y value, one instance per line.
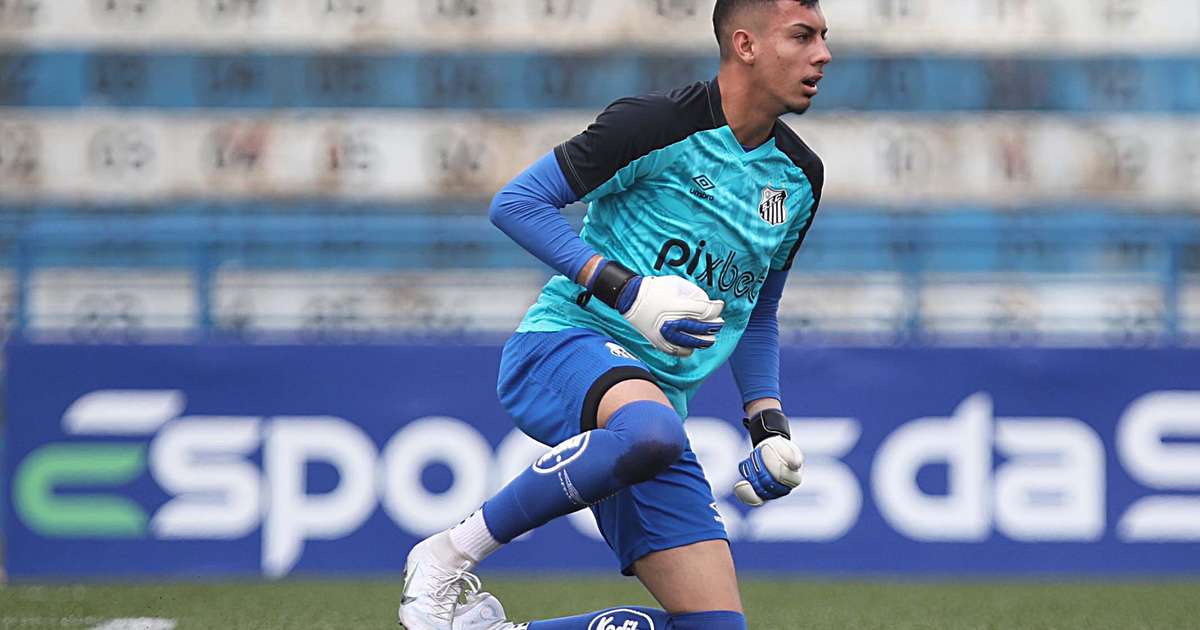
pixel 705 184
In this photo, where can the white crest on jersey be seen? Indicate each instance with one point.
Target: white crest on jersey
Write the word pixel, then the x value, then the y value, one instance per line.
pixel 771 208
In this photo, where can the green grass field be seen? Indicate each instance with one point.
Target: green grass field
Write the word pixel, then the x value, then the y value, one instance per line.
pixel 810 604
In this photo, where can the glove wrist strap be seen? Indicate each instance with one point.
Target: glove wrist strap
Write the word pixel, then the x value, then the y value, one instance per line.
pixel 608 281
pixel 767 423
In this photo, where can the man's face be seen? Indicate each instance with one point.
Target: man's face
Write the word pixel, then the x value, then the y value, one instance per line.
pixel 793 54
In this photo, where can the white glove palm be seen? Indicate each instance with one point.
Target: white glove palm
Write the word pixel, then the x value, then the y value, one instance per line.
pixel 771 471
pixel 675 315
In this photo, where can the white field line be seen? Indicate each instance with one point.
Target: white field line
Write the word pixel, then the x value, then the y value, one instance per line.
pixel 48 622
pixel 139 623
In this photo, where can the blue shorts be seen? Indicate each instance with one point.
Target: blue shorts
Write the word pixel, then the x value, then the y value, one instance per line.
pixel 551 384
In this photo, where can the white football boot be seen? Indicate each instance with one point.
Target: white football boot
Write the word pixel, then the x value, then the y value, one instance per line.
pixel 437 580
pixel 482 611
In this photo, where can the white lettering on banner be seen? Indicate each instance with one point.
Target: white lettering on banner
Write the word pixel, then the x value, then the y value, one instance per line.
pixel 963 443
pixel 122 412
pixel 719 446
pixel 1157 464
pixel 294 516
pixel 1147 421
pixel 515 453
pixel 201 462
pixel 824 507
pixel 1047 485
pixel 829 501
pixel 426 441
pixel 1052 486
pixel 1162 519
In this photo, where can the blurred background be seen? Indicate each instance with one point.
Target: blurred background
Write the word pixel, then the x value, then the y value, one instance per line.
pixel 999 171
pixel 253 302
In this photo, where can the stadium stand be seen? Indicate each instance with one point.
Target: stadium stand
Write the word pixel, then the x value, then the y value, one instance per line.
pixel 1000 172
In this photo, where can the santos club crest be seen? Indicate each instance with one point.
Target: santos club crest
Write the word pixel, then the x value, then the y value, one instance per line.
pixel 772 208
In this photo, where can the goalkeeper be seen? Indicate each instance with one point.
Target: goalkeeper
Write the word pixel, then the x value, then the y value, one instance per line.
pixel 699 200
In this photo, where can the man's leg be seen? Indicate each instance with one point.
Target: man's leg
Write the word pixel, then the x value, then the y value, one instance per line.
pixel 695 582
pixel 638 439
pixel 630 434
pixel 668 533
pixel 694 578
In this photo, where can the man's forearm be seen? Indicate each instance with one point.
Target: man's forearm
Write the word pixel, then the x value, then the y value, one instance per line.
pixel 527 210
pixel 755 361
pixel 589 268
pixel 757 405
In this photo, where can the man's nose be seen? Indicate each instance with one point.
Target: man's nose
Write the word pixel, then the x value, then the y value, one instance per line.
pixel 824 56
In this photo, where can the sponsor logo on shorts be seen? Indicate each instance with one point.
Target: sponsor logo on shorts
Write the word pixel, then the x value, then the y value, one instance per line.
pixel 621 619
pixel 618 351
pixel 559 456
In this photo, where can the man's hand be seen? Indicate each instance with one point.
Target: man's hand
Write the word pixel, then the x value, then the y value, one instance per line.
pixel 770 472
pixel 775 466
pixel 675 315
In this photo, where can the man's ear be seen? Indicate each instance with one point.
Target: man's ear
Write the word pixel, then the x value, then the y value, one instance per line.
pixel 744 46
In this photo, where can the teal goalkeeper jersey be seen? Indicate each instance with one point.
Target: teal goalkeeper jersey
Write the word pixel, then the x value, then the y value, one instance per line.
pixel 670 191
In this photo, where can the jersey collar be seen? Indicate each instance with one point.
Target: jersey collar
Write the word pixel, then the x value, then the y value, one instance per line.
pixel 714 104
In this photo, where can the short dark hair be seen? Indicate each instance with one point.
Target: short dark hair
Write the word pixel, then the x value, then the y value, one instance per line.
pixel 727 8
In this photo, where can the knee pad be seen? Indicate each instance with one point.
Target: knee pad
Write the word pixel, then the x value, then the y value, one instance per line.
pixel 710 620
pixel 655 437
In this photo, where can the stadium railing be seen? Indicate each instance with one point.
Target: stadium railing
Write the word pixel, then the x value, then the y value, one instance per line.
pixel 333 272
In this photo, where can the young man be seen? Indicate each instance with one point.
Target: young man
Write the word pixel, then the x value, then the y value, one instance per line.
pixel 699 200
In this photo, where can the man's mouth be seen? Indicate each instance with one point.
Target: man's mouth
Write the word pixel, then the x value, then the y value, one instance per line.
pixel 810 84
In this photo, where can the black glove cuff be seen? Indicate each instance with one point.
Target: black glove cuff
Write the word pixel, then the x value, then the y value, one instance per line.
pixel 767 423
pixel 610 279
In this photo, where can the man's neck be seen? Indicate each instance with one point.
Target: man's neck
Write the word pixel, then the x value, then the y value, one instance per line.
pixel 750 123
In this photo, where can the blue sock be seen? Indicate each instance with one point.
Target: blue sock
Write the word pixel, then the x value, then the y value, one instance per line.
pixel 620 618
pixel 710 620
pixel 641 440
pixel 639 618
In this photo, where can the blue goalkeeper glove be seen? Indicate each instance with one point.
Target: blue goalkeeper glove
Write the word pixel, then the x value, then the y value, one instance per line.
pixel 675 315
pixel 775 466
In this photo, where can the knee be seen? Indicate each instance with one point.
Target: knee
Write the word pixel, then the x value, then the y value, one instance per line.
pixel 709 620
pixel 655 438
